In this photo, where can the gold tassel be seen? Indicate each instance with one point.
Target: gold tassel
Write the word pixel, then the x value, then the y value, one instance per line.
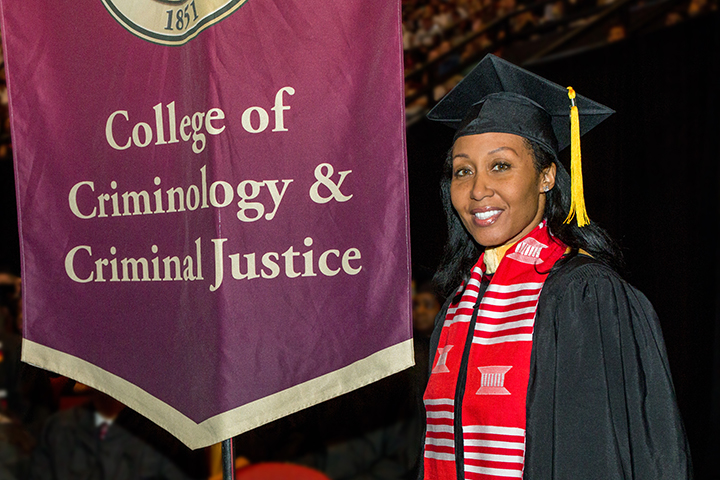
pixel 577 199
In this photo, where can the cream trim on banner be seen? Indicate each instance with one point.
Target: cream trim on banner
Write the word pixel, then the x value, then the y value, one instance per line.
pixel 238 420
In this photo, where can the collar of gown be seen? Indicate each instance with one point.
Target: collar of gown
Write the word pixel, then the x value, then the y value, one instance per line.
pixel 493 256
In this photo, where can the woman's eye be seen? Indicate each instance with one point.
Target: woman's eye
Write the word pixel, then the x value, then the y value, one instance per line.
pixel 500 166
pixel 462 172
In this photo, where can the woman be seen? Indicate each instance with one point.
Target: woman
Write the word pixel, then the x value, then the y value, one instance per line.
pixel 545 363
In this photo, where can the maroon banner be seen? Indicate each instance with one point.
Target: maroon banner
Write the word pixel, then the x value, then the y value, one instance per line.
pixel 212 199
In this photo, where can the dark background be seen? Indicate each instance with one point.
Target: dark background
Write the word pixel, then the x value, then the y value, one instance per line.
pixel 651 179
pixel 651 175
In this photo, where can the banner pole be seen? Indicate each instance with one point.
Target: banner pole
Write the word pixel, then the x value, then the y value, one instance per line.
pixel 228 457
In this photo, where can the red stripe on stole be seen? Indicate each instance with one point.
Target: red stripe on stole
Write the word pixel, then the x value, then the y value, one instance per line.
pixel 498 456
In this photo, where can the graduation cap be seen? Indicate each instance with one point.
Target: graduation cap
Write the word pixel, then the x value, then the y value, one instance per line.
pixel 497 96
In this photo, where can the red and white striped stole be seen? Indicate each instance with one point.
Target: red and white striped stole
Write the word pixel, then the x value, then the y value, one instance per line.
pixel 498 369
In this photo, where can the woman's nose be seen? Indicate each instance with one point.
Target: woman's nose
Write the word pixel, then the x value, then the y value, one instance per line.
pixel 480 188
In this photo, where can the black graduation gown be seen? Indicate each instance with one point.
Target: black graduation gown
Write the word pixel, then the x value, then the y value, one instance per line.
pixel 134 449
pixel 600 400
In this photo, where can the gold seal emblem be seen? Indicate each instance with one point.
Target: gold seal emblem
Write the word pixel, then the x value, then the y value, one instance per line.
pixel 170 22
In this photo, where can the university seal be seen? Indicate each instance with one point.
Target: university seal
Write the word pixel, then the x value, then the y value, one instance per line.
pixel 170 22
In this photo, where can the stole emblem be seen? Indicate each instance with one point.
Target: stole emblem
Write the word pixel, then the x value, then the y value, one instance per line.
pixel 492 381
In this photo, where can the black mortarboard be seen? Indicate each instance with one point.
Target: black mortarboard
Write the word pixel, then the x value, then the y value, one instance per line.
pixel 497 96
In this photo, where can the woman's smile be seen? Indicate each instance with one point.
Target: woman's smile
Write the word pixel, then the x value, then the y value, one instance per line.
pixel 486 216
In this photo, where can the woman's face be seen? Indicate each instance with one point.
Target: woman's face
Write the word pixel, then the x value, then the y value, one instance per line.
pixel 495 188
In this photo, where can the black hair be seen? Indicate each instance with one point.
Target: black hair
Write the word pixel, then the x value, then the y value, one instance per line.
pixel 462 251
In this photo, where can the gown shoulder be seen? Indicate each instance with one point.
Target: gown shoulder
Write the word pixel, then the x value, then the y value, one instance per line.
pixel 601 403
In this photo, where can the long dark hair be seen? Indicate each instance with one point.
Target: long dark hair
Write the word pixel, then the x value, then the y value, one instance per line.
pixel 462 252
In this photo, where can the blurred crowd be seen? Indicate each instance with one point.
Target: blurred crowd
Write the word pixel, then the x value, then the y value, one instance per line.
pixel 431 28
pixel 443 38
pixel 53 428
pixel 454 32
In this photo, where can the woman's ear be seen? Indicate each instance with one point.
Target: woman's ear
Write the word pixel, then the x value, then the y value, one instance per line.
pixel 547 178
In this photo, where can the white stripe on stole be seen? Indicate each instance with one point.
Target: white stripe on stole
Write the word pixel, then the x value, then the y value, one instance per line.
pixel 503 302
pixel 493 430
pixel 458 319
pixel 440 414
pixel 467 304
pixel 451 310
pixel 514 287
pixel 440 455
pixel 439 401
pixel 475 283
pixel 494 472
pixel 492 457
pixel 440 428
pixel 489 327
pixel 440 442
pixel 494 444
pixel 521 337
pixel 453 317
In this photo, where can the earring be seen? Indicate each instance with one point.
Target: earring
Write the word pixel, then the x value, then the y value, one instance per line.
pixel 546 189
